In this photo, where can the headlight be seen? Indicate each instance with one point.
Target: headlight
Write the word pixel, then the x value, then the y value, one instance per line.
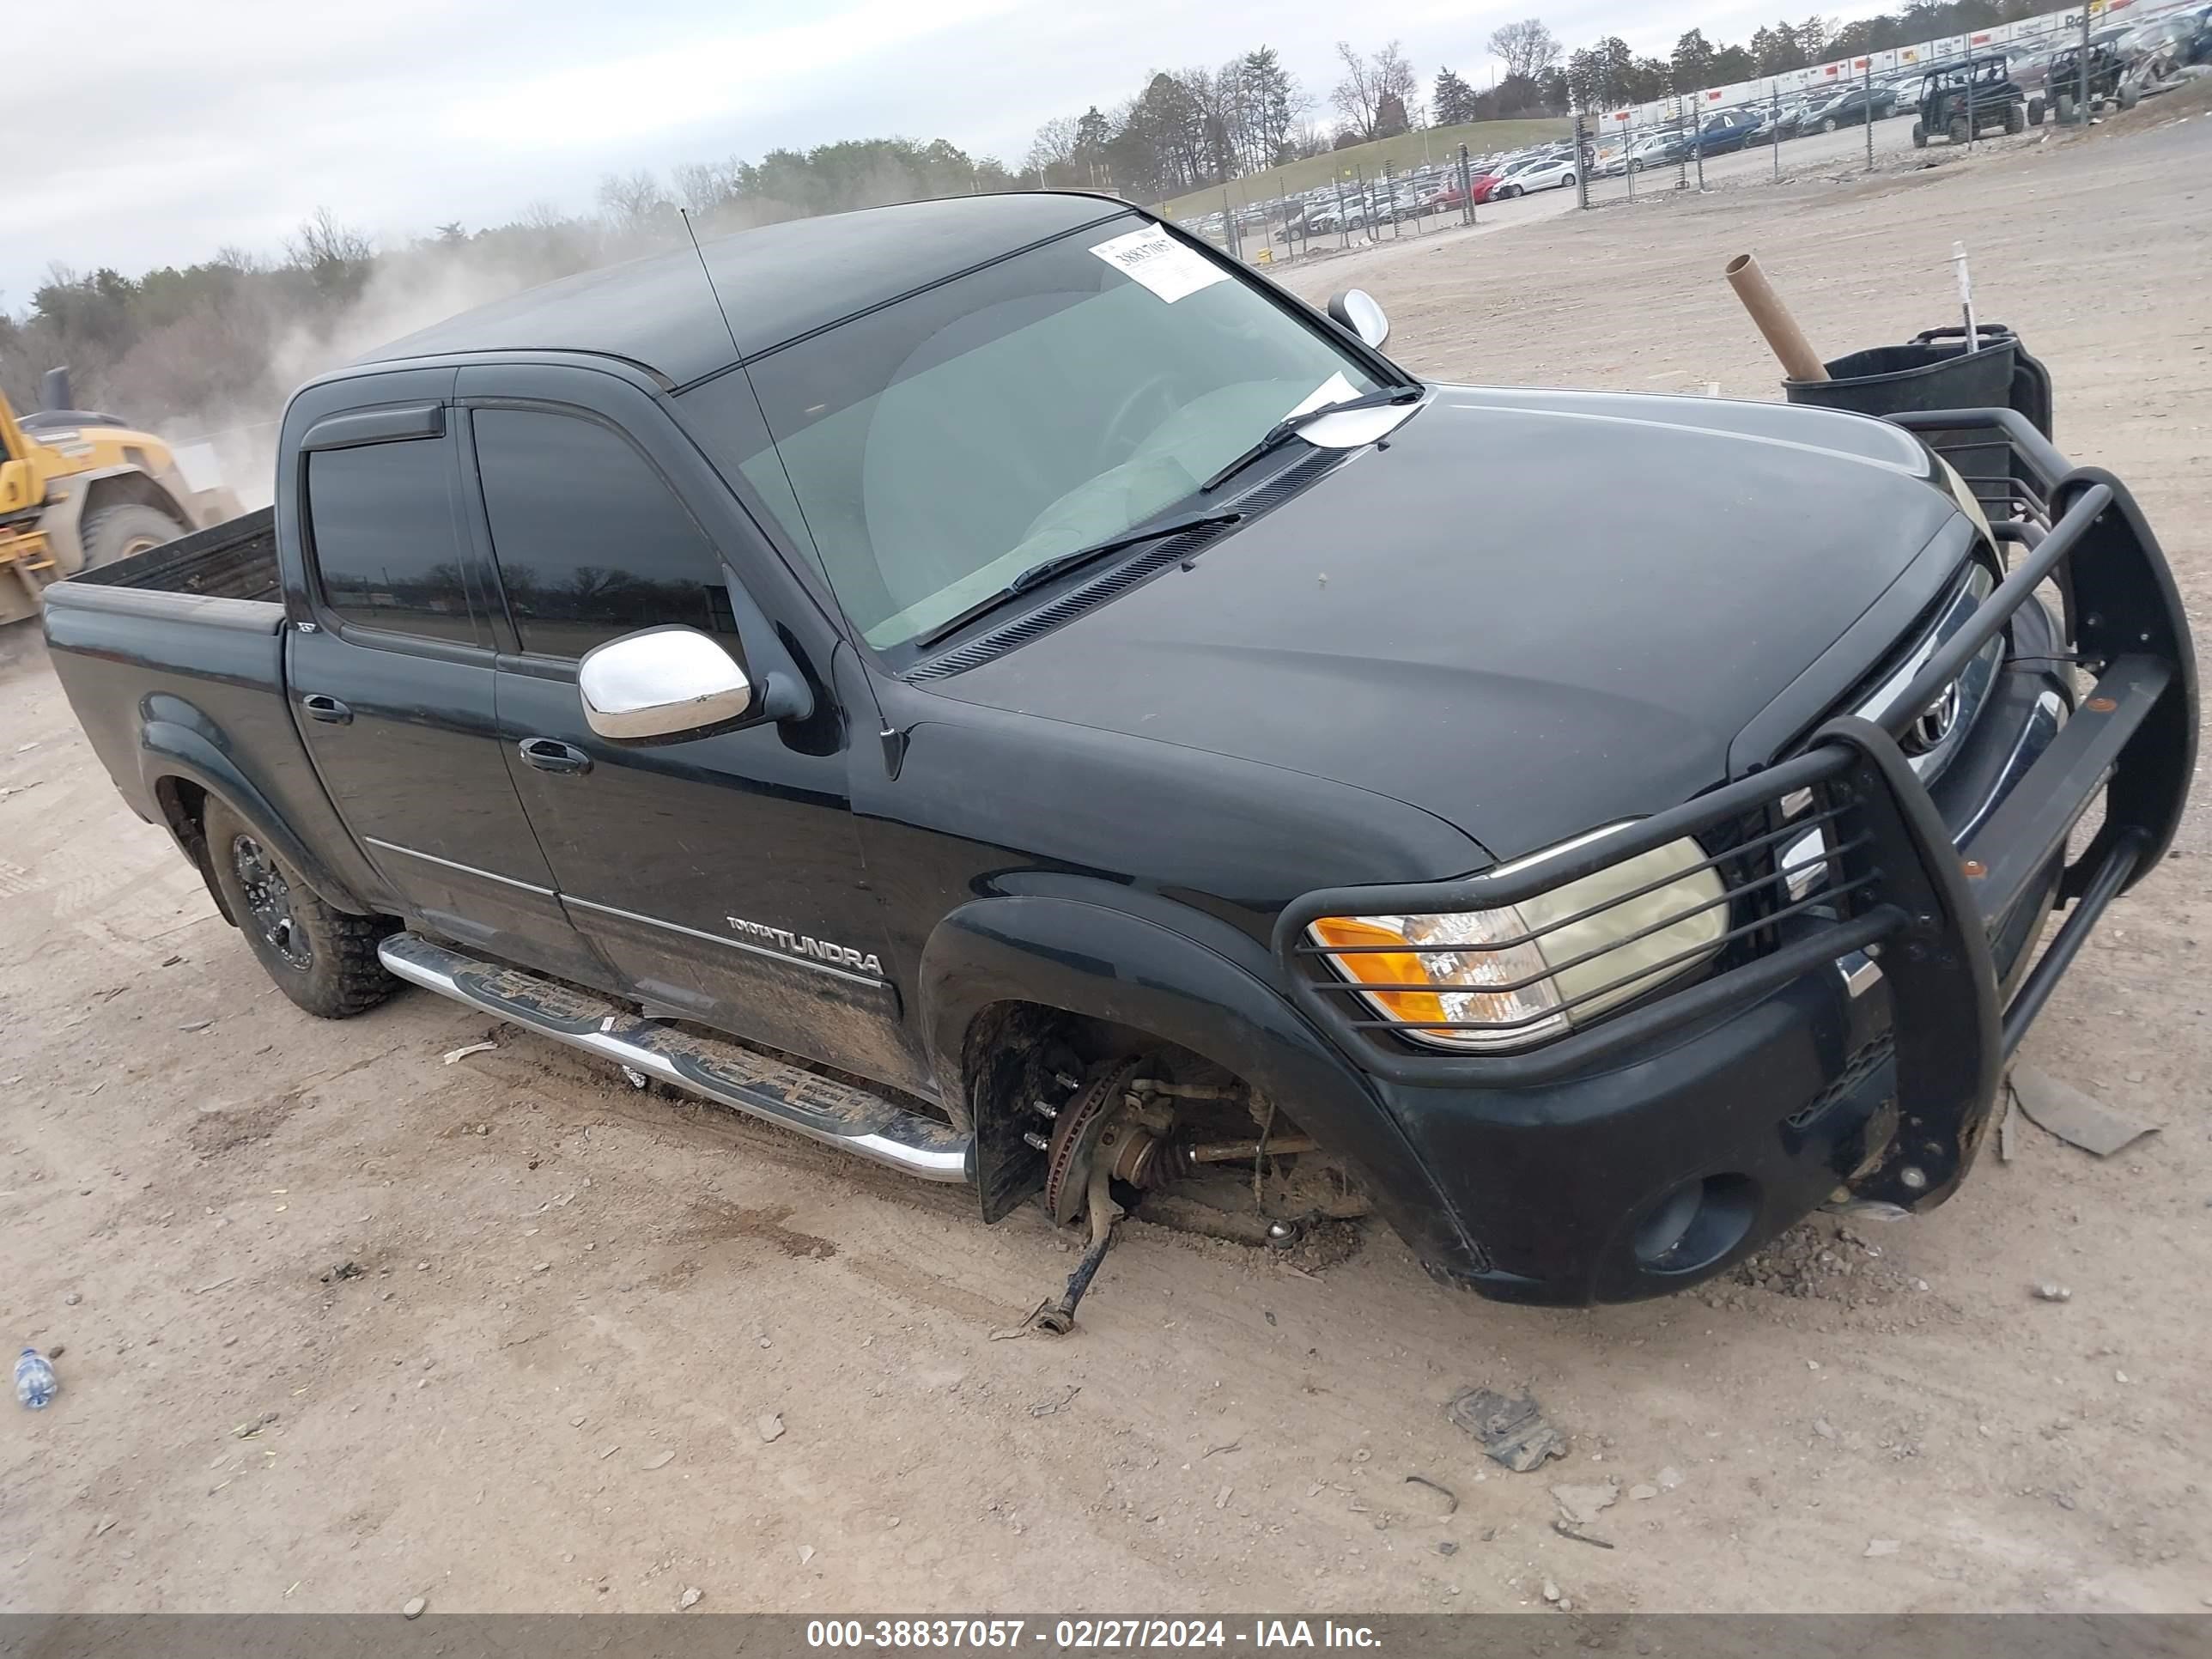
pixel 1542 968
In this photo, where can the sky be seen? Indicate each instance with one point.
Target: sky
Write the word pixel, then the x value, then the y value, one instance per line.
pixel 226 122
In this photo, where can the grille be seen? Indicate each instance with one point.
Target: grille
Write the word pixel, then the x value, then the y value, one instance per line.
pixel 1126 575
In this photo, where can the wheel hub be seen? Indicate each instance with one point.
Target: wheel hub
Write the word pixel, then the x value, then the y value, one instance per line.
pixel 269 900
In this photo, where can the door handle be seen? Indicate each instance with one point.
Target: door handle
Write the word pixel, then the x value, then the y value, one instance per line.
pixel 552 755
pixel 329 709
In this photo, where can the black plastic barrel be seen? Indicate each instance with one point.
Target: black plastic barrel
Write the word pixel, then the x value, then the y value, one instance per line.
pixel 1935 371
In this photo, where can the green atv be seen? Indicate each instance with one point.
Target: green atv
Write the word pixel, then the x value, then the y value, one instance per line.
pixel 1966 97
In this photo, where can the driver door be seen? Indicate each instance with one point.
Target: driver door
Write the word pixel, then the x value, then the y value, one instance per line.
pixel 722 876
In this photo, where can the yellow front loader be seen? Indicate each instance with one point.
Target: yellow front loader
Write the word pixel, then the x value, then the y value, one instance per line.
pixel 79 490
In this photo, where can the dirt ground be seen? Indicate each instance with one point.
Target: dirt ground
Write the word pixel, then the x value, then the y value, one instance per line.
pixel 582 1313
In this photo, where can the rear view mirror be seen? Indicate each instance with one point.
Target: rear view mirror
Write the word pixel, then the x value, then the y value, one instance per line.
pixel 662 685
pixel 1358 311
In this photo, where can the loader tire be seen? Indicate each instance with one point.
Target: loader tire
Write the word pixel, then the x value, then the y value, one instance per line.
pixel 324 959
pixel 110 533
pixel 1920 135
pixel 2015 119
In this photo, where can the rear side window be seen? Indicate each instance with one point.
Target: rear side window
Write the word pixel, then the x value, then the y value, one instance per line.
pixel 385 537
pixel 590 541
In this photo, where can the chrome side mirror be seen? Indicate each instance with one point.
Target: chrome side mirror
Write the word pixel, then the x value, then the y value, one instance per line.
pixel 1358 311
pixel 662 685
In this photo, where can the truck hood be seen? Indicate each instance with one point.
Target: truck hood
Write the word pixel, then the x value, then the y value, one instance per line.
pixel 1532 613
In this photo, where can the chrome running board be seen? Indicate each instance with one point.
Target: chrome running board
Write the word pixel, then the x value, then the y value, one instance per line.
pixel 819 1107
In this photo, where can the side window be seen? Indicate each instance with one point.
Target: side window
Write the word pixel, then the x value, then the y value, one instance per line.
pixel 591 544
pixel 382 517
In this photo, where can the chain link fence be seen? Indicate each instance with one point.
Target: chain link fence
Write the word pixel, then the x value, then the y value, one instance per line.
pixel 1355 209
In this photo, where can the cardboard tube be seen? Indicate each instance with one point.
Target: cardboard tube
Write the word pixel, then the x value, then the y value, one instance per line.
pixel 1784 336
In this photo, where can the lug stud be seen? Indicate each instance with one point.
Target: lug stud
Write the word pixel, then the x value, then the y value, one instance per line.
pixel 1044 1109
pixel 1036 1140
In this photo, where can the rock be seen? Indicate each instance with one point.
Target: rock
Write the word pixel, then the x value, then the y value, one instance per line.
pixel 2053 1292
pixel 806 1554
pixel 1824 1428
pixel 1551 1591
pixel 576 1422
pixel 1640 1493
pixel 413 1608
pixel 71 1299
pixel 1668 1478
pixel 690 1598
pixel 1447 1547
pixel 1881 1547
pixel 540 1267
pixel 107 1521
pixel 770 1424
pixel 195 1025
pixel 657 1461
pixel 1584 1504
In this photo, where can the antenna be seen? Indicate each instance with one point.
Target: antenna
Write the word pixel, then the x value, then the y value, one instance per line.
pixel 767 429
pixel 692 230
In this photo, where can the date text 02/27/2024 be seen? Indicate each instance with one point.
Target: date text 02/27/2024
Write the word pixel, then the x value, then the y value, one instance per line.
pixel 1086 1635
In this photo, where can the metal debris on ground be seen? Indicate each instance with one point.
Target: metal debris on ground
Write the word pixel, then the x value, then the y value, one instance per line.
pixel 2073 1117
pixel 2049 1292
pixel 635 1078
pixel 1048 1407
pixel 1449 1496
pixel 1568 1530
pixel 1513 1431
pixel 463 1053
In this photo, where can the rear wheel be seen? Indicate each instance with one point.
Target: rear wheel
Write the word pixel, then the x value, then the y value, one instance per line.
pixel 1919 135
pixel 1828 125
pixel 116 532
pixel 1961 130
pixel 2065 109
pixel 2035 112
pixel 324 959
pixel 2015 119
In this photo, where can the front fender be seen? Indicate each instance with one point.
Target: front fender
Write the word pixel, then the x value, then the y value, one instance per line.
pixel 170 749
pixel 1188 979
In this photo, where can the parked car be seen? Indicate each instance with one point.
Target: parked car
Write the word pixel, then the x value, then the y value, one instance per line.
pixel 927 733
pixel 1853 107
pixel 1550 173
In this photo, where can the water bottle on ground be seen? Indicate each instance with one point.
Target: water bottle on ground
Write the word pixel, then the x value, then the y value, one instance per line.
pixel 34 1380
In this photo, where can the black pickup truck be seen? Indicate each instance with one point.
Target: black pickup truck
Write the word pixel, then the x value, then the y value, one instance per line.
pixel 994 684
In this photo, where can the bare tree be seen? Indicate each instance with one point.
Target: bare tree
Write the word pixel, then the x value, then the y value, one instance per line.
pixel 1052 150
pixel 633 202
pixel 1526 48
pixel 706 186
pixel 1358 97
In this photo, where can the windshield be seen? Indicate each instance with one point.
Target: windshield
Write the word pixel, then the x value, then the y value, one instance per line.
pixel 942 445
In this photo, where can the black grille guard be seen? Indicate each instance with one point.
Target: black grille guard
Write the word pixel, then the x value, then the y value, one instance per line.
pixel 1925 906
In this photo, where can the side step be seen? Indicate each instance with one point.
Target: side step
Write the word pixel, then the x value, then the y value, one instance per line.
pixel 819 1107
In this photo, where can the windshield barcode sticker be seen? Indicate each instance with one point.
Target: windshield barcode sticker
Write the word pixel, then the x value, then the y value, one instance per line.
pixel 1163 264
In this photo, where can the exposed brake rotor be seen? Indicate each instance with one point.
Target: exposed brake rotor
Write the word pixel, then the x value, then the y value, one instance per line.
pixel 1098 1120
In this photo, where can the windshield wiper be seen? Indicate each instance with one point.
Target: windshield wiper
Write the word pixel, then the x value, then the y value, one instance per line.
pixel 1289 427
pixel 1042 572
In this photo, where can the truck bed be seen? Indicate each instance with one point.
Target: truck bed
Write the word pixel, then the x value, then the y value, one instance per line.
pixel 234 560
